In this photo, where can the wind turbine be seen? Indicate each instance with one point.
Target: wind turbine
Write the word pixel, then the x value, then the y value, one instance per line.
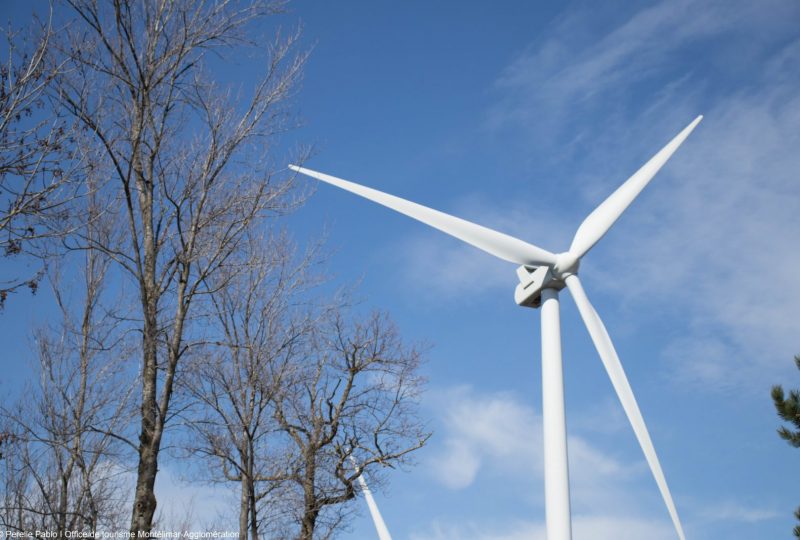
pixel 377 519
pixel 542 275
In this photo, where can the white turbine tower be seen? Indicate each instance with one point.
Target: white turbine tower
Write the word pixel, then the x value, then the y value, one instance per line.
pixel 542 275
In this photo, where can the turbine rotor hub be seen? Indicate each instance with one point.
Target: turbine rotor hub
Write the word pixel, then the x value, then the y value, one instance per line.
pixel 566 264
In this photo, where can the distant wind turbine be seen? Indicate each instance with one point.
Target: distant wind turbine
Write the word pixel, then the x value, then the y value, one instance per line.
pixel 542 275
pixel 377 519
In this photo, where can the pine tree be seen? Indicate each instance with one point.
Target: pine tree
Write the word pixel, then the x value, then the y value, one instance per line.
pixel 789 410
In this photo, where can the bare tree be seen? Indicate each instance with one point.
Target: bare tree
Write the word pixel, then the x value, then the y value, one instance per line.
pixel 34 154
pixel 347 408
pixel 293 401
pixel 66 431
pixel 262 321
pixel 185 162
pixel 13 482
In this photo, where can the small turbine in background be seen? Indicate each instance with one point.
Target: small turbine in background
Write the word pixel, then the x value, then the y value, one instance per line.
pixel 377 519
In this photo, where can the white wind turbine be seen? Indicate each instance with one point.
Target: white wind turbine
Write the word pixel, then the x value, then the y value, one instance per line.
pixel 542 275
pixel 377 519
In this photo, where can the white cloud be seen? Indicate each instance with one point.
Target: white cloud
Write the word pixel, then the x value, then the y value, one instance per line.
pixel 192 504
pixel 494 436
pixel 728 511
pixel 515 531
pixel 493 431
pixel 181 504
pixel 594 527
pixel 458 465
pixel 606 417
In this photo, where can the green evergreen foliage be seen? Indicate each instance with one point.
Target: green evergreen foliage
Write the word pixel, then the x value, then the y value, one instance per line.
pixel 797 527
pixel 789 410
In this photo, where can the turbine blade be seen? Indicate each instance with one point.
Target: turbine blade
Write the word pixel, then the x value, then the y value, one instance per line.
pixel 608 355
pixel 597 224
pixel 377 519
pixel 496 243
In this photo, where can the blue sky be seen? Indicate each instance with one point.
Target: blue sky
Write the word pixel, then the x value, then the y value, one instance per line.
pixel 523 117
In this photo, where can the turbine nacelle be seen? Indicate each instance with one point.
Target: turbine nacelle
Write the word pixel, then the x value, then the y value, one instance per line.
pixel 533 280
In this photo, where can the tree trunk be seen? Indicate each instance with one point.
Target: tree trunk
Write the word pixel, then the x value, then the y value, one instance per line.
pixel 244 508
pixel 62 505
pixel 253 516
pixel 144 503
pixel 309 522
pixel 310 506
pixel 144 506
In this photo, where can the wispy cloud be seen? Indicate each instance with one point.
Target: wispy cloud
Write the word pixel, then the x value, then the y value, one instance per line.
pixel 493 431
pixel 200 506
pixel 182 502
pixel 588 62
pixel 496 435
pixel 714 240
pixel 594 527
pixel 720 245
pixel 737 512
